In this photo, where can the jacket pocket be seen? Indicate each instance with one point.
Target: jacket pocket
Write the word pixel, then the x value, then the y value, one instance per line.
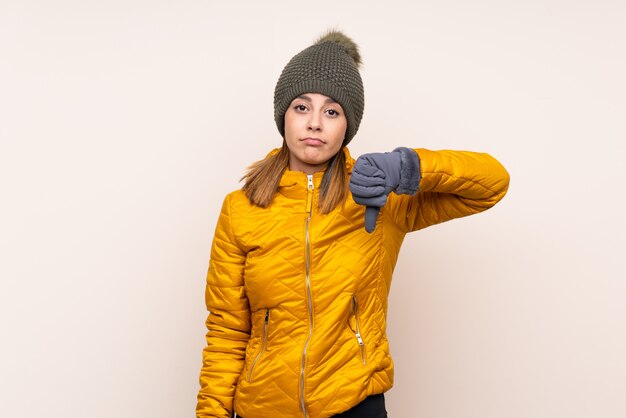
pixel 357 328
pixel 263 344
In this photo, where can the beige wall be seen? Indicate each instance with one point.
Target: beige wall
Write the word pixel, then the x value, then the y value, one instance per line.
pixel 124 123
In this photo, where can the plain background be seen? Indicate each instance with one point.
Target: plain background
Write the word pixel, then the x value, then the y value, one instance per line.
pixel 124 123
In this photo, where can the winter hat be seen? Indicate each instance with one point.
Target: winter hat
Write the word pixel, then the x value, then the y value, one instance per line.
pixel 329 67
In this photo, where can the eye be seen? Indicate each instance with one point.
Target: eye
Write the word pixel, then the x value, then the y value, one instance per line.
pixel 300 107
pixel 332 112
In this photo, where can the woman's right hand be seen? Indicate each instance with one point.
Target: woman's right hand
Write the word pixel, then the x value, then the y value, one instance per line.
pixel 376 175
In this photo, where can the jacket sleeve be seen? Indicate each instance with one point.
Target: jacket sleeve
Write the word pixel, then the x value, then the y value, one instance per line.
pixel 228 322
pixel 453 184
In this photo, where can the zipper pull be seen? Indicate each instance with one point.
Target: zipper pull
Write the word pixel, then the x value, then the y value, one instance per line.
pixel 267 316
pixel 359 339
pixel 309 198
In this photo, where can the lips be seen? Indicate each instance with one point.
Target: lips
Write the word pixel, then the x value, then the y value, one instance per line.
pixel 313 141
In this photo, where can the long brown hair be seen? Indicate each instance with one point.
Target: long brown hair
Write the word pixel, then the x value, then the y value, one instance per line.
pixel 263 178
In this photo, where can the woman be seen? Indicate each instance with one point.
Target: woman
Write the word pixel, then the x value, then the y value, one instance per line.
pixel 302 255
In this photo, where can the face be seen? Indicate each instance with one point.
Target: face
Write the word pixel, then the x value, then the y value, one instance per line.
pixel 315 126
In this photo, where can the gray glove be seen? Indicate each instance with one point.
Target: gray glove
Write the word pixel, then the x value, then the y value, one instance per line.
pixel 376 175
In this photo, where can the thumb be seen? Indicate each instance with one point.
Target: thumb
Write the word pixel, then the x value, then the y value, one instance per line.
pixel 371 214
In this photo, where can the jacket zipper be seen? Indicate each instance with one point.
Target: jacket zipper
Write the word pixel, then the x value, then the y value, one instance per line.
pixel 258 356
pixel 307 270
pixel 357 332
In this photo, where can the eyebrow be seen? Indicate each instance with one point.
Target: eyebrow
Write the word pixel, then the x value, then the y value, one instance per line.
pixel 308 99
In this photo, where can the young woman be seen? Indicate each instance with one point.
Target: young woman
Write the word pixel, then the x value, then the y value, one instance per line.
pixel 303 254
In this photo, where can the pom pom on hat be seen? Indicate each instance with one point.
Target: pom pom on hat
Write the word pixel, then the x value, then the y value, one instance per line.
pixel 342 39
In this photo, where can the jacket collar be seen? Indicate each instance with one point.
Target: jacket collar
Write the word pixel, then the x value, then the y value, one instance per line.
pixel 294 184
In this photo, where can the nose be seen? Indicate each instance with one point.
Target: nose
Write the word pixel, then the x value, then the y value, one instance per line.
pixel 315 122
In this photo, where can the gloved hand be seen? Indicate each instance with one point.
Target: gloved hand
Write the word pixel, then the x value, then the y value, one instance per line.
pixel 376 175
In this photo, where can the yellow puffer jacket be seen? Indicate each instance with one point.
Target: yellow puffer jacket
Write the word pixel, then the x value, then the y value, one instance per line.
pixel 298 300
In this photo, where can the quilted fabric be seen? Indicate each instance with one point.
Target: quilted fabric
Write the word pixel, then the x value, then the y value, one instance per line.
pixel 267 354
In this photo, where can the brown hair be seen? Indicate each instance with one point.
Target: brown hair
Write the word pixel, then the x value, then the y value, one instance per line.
pixel 263 177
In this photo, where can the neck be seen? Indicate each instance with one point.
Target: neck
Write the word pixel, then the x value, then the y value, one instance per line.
pixel 306 168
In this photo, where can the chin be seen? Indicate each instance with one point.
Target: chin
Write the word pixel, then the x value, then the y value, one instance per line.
pixel 317 161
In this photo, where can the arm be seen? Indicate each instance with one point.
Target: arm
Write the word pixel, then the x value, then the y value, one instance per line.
pixel 453 184
pixel 430 186
pixel 228 322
